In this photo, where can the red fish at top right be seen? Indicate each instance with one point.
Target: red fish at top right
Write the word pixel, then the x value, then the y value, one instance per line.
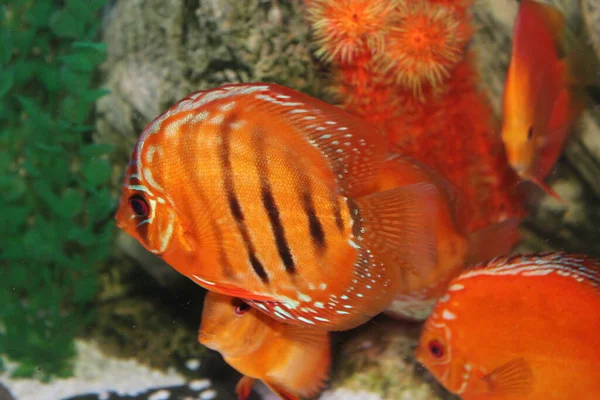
pixel 545 90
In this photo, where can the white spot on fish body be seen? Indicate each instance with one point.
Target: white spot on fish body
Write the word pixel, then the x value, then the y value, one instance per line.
pixel 308 321
pixel 359 295
pixel 150 153
pixel 538 272
pixel 168 233
pixel 237 124
pixel 320 128
pixel 318 304
pixel 217 120
pixel 323 286
pixel 150 179
pixel 455 287
pixel 275 101
pixel 303 297
pixel 344 297
pixel 342 312
pixel 342 128
pixel 140 188
pixel 310 117
pixel 347 306
pixel 321 319
pixel 227 107
pixel 298 111
pixel 173 128
pixel 330 122
pixel 326 136
pixel 201 116
pixel 282 311
pixel 448 316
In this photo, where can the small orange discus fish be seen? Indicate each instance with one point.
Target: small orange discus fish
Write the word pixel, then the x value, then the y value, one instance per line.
pixel 540 103
pixel 455 247
pixel 261 192
pixel 518 327
pixel 293 361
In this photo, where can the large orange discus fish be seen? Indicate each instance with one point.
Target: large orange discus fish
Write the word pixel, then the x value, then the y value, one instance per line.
pixel 455 247
pixel 263 193
pixel 540 100
pixel 293 361
pixel 519 327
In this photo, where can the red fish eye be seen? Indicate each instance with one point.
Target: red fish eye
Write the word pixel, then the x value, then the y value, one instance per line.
pixel 241 308
pixel 139 206
pixel 436 348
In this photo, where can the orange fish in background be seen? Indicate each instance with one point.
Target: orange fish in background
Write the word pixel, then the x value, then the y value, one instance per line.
pixel 456 248
pixel 261 192
pixel 541 100
pixel 292 361
pixel 519 327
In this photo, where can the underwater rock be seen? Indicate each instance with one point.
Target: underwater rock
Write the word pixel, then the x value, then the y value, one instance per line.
pixel 379 359
pixel 551 225
pixel 590 10
pixel 161 51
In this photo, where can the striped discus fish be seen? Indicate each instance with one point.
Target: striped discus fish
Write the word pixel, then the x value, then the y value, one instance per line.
pixel 263 193
pixel 518 327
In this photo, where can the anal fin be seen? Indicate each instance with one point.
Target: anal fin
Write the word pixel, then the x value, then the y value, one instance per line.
pixel 281 392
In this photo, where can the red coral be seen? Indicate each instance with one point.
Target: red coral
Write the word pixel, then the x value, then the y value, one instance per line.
pixel 345 28
pixel 448 124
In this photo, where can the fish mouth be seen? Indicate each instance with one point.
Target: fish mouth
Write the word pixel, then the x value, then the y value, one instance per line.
pixel 206 339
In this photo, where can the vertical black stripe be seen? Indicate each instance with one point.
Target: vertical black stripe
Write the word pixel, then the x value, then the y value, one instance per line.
pixel 316 229
pixel 233 201
pixel 337 212
pixel 305 194
pixel 304 189
pixel 270 205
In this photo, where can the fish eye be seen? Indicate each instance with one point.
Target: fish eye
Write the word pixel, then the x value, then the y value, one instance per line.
pixel 436 348
pixel 241 308
pixel 139 206
pixel 530 133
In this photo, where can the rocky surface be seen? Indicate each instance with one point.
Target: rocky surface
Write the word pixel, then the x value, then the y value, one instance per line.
pixel 379 358
pixel 99 377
